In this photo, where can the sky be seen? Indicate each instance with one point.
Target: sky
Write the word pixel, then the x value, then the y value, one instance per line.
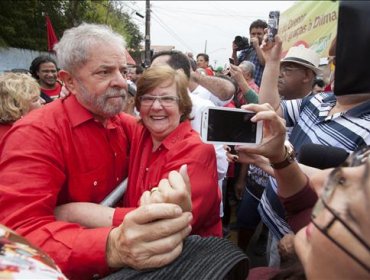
pixel 202 26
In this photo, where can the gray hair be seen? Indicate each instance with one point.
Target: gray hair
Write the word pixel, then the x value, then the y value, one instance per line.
pixel 73 49
pixel 248 67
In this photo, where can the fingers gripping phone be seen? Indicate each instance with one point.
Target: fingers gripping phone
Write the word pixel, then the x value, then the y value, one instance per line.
pixel 273 25
pixel 230 126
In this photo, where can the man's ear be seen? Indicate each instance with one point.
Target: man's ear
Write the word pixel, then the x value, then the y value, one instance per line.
pixel 309 75
pixel 68 81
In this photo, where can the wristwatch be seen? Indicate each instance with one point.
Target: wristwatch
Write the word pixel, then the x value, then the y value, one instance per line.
pixel 289 157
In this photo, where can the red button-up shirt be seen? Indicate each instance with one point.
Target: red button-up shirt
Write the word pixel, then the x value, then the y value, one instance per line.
pixel 55 155
pixel 182 146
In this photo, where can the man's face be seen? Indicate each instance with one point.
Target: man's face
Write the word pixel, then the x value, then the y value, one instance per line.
pixel 257 33
pixel 47 74
pixel 291 79
pixel 100 84
pixel 201 62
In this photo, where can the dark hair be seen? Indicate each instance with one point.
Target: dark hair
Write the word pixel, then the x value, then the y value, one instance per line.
pixel 318 82
pixel 193 64
pixel 139 70
pixel 177 60
pixel 205 56
pixel 35 64
pixel 259 23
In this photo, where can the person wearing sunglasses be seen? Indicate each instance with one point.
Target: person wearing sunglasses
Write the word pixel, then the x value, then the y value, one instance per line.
pixel 328 210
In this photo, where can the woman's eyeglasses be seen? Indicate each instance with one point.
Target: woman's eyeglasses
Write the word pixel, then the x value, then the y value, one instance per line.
pixel 165 100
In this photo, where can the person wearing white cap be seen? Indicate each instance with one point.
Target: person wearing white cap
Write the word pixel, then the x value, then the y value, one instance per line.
pixel 298 70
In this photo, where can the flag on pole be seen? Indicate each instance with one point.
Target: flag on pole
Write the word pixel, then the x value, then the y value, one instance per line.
pixel 129 58
pixel 52 38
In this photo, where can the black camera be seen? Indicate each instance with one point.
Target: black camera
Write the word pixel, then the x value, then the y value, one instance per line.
pixel 242 43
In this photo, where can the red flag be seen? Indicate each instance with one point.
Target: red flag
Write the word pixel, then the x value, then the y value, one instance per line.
pixel 129 58
pixel 52 38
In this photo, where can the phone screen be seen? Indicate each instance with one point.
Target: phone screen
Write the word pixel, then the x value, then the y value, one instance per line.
pixel 231 61
pixel 231 126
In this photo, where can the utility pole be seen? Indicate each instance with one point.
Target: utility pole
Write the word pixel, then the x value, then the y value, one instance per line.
pixel 205 47
pixel 147 34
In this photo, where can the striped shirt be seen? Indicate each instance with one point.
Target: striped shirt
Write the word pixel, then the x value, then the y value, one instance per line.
pixel 310 122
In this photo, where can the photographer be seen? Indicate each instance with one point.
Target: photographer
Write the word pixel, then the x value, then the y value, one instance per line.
pixel 251 52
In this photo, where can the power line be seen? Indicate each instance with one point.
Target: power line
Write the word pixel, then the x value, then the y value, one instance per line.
pixel 170 31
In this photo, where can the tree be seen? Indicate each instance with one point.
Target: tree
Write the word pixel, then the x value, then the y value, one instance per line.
pixel 24 26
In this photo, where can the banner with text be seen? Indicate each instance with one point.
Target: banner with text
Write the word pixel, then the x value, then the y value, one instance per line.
pixel 309 23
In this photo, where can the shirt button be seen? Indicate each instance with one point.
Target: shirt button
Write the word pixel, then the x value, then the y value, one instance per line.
pixel 96 276
pixel 147 169
pixel 117 179
pixel 95 183
pixel 115 154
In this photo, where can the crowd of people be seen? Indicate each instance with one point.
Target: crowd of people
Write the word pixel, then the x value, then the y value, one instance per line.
pixel 76 129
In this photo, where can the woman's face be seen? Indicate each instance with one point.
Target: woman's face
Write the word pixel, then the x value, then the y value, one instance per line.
pixel 346 195
pixel 161 117
pixel 36 102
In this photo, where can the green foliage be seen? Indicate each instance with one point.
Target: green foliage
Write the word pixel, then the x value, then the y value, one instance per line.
pixel 23 22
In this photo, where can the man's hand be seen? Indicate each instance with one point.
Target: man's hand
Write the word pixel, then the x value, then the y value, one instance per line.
pixel 176 189
pixel 255 42
pixel 149 237
pixel 271 51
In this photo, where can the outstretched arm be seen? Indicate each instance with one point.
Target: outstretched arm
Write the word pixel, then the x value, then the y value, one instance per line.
pixel 269 85
pixel 219 87
pixel 175 190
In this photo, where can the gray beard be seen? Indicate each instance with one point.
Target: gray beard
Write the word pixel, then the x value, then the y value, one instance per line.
pixel 100 105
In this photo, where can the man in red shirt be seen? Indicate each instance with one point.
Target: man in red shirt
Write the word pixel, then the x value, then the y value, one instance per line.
pixel 44 69
pixel 76 150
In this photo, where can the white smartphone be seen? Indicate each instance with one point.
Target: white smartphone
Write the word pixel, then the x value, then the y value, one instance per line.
pixel 230 126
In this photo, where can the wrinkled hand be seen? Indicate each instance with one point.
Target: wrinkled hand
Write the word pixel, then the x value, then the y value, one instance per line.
pixel 271 50
pixel 176 189
pixel 150 236
pixel 272 144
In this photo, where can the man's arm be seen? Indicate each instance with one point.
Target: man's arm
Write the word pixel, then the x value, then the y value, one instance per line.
pixel 269 85
pixel 249 94
pixel 32 175
pixel 175 190
pixel 220 87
